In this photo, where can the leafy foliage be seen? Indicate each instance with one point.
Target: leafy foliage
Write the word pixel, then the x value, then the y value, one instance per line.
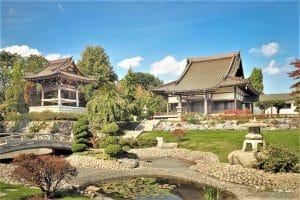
pixel 256 78
pixel 14 94
pixel 108 140
pixel 111 128
pixel 44 171
pixel 81 135
pixel 41 116
pixel 277 159
pixel 114 150
pixel 95 62
pixel 107 106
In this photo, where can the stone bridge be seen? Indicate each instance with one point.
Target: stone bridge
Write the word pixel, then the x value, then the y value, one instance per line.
pixel 20 142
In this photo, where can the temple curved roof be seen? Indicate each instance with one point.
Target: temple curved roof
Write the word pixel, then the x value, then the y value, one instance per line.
pixel 63 68
pixel 208 73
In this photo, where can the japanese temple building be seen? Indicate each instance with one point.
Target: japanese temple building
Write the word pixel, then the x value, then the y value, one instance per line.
pixel 210 85
pixel 60 82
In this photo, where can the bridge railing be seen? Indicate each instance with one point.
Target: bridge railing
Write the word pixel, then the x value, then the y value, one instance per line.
pixel 15 138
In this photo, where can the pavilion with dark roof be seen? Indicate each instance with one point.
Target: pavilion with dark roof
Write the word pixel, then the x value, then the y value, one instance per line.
pixel 60 81
pixel 210 85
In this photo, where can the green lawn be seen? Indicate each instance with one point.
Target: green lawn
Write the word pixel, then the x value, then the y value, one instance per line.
pixel 222 142
pixel 16 192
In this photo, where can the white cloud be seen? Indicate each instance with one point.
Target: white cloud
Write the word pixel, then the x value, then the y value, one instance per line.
pixel 55 56
pixel 26 51
pixel 130 62
pixel 272 69
pixel 61 8
pixel 266 50
pixel 23 50
pixel 168 65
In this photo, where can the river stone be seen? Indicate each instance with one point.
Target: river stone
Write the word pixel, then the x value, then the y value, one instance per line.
pixel 129 163
pixel 240 157
pixel 92 189
pixel 284 126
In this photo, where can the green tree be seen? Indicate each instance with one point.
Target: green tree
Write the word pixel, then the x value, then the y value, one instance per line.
pixel 145 80
pixel 14 94
pixel 154 103
pixel 95 62
pixel 106 106
pixel 7 61
pixel 256 78
pixel 81 135
pixel 35 63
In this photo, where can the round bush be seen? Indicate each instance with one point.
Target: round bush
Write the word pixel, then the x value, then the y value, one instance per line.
pixel 277 159
pixel 78 147
pixel 108 140
pixel 111 128
pixel 114 150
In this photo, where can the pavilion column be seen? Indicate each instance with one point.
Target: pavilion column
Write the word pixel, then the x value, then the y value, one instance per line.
pixel 205 103
pixel 235 103
pixel 167 108
pixel 42 97
pixel 77 97
pixel 59 96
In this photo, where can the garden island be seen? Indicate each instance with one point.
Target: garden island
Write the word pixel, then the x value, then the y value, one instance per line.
pixel 74 131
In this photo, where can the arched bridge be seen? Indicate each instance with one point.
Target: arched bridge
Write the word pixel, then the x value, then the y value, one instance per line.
pixel 17 142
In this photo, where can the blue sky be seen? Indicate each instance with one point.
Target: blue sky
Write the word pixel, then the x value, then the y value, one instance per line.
pixel 158 36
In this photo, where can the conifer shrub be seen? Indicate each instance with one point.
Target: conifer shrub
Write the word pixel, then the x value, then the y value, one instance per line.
pixel 81 135
pixel 114 150
pixel 277 159
pixel 108 140
pixel 111 128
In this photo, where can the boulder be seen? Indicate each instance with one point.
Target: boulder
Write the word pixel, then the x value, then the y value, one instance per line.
pixel 92 189
pixel 129 163
pixel 240 157
pixel 283 126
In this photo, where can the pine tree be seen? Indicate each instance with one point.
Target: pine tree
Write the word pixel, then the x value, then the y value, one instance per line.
pixel 256 79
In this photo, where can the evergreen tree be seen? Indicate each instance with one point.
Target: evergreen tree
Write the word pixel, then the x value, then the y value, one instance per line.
pixel 35 63
pixel 256 78
pixel 14 94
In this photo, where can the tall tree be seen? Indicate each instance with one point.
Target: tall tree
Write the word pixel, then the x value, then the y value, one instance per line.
pixel 296 86
pixel 35 63
pixel 106 106
pixel 95 62
pixel 256 78
pixel 14 94
pixel 7 61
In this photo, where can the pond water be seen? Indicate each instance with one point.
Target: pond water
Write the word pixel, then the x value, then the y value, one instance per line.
pixel 160 189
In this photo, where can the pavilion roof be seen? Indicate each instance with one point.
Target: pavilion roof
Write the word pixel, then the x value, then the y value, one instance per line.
pixel 62 67
pixel 208 73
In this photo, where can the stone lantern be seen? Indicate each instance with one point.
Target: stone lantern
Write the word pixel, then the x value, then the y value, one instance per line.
pixel 253 136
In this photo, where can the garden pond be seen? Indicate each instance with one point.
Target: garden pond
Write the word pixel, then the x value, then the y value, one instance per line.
pixel 143 188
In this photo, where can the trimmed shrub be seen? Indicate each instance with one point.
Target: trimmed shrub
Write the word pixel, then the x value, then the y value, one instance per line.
pixel 81 135
pixel 108 140
pixel 114 150
pixel 144 143
pixel 111 128
pixel 178 134
pixel 277 159
pixel 77 147
pixel 34 129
